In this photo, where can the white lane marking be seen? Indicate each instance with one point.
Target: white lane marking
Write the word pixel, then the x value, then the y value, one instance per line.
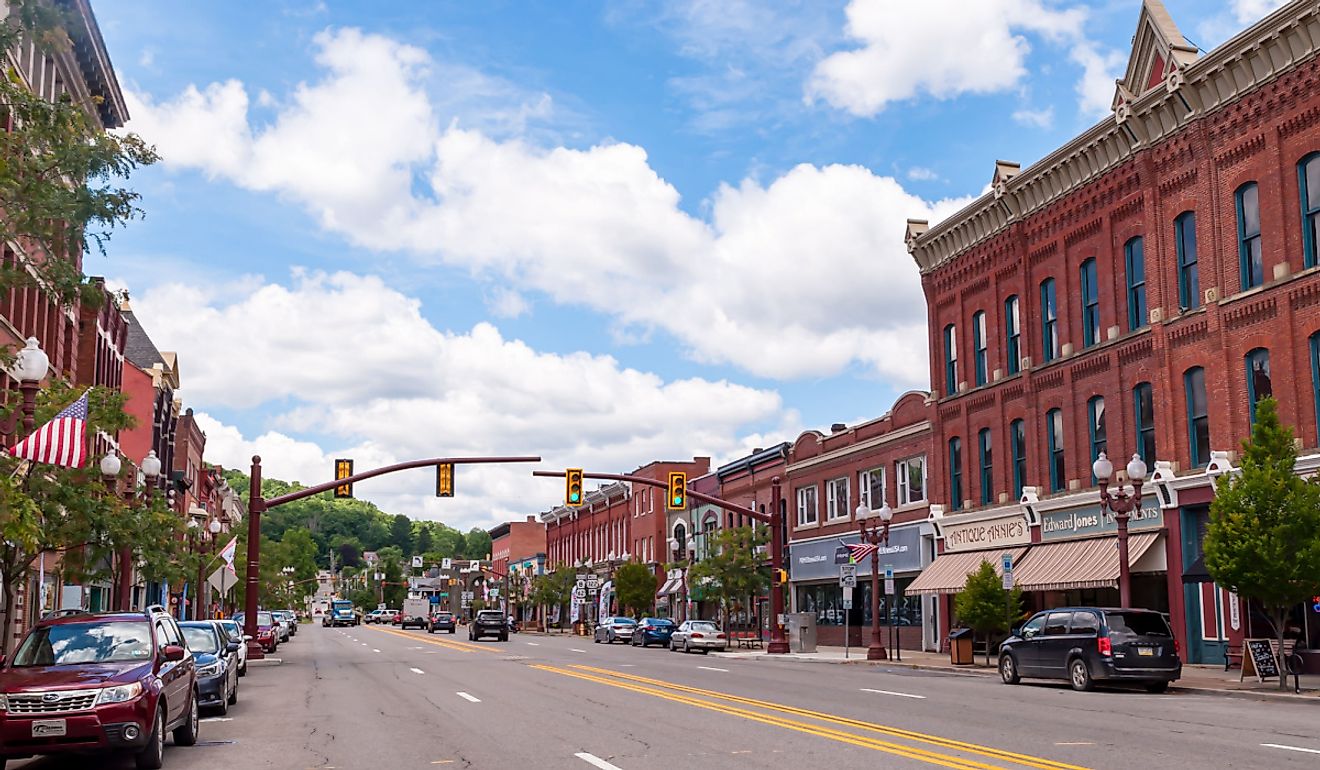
pixel 891 692
pixel 712 668
pixel 1290 748
pixel 574 649
pixel 417 671
pixel 595 761
pixel 467 697
pixel 217 719
pixel 533 644
pixel 373 649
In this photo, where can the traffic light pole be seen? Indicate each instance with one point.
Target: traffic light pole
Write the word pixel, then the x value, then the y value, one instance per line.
pixel 778 641
pixel 258 505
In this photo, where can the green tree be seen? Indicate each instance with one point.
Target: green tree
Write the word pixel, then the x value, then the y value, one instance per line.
pixel 733 570
pixel 477 543
pixel 423 540
pixel 391 564
pixel 553 589
pixel 634 585
pixel 450 543
pixel 401 533
pixel 1264 536
pixel 985 607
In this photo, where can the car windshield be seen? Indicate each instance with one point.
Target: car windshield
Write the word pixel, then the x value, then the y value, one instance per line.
pixel 490 615
pixel 71 643
pixel 659 622
pixel 200 639
pixel 704 626
pixel 624 622
pixel 1137 624
pixel 264 619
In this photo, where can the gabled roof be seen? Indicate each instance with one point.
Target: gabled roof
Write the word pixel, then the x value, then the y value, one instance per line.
pixel 1158 50
pixel 139 349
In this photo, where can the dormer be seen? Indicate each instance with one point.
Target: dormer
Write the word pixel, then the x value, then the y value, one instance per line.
pixel 915 229
pixel 1005 170
pixel 1159 55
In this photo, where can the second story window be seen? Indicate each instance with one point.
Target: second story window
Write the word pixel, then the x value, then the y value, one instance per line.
pixel 985 450
pixel 1049 321
pixel 1134 258
pixel 1315 375
pixel 1095 419
pixel 955 474
pixel 836 498
pixel 1198 416
pixel 950 359
pixel 1258 379
pixel 1017 441
pixel 912 480
pixel 1252 263
pixel 1090 304
pixel 1054 445
pixel 1143 403
pixel 979 346
pixel 1189 278
pixel 871 488
pixel 1308 179
pixel 806 506
pixel 1013 334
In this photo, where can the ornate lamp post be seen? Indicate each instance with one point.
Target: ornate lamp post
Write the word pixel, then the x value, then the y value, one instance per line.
pixel 111 465
pixel 29 367
pixel 1121 505
pixel 874 529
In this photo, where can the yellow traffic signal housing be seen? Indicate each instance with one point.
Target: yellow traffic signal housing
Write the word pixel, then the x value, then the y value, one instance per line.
pixel 343 469
pixel 677 500
pixel 781 576
pixel 573 491
pixel 444 480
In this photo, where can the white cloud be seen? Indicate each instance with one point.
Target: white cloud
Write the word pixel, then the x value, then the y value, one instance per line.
pixel 1036 118
pixel 1100 69
pixel 943 48
pixel 1252 11
pixel 346 358
pixel 507 303
pixel 805 275
pixel 922 174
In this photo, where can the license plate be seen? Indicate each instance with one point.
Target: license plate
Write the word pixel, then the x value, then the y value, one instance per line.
pixel 1145 652
pixel 49 728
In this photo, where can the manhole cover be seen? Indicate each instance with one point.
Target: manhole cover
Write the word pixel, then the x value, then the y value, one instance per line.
pixel 215 743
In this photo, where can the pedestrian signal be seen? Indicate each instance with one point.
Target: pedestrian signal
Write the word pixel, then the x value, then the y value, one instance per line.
pixel 573 492
pixel 677 500
pixel 444 480
pixel 343 469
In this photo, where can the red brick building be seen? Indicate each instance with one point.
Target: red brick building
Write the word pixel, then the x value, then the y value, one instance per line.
pixel 517 549
pixel 1135 291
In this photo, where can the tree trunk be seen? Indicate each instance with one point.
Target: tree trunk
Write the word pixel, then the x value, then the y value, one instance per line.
pixel 1280 624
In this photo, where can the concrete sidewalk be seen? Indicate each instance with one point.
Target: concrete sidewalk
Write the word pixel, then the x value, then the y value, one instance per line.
pixel 1211 680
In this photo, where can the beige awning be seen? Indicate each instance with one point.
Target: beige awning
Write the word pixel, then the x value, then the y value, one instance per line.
pixel 1091 563
pixel 948 573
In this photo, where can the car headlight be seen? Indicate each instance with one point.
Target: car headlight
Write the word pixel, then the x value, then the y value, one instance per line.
pixel 4 702
pixel 120 694
pixel 209 670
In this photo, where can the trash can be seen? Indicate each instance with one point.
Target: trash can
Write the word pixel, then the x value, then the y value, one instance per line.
pixel 801 628
pixel 960 647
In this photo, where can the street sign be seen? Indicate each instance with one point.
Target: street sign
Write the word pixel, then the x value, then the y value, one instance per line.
pixel 380 606
pixel 841 556
pixel 380 576
pixel 417 561
pixel 446 563
pixel 889 581
pixel 848 595
pixel 579 593
pixel 848 576
pixel 1007 563
pixel 593 582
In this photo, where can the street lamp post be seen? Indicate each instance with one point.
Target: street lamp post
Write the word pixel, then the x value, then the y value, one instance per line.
pixel 1121 505
pixel 111 465
pixel 873 526
pixel 29 368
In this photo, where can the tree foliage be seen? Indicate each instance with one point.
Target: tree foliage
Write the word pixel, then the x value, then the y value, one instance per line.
pixel 1264 536
pixel 634 585
pixel 554 588
pixel 984 606
pixel 733 570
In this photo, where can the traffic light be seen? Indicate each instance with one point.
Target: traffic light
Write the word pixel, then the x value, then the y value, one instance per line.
pixel 343 469
pixel 444 480
pixel 573 492
pixel 781 576
pixel 677 500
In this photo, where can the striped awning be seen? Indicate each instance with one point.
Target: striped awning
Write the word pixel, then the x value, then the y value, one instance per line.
pixel 671 586
pixel 948 573
pixel 1090 563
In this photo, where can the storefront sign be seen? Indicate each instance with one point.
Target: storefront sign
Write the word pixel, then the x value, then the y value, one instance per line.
pixel 814 559
pixel 1090 520
pixel 989 533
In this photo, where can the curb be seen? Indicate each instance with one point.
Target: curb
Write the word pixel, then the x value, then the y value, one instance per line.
pixel 267 662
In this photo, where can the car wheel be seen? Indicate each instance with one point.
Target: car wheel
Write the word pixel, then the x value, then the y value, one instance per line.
pixel 152 756
pixel 595 639
pixel 1080 676
pixel 1156 687
pixel 242 670
pixel 1008 669
pixel 233 696
pixel 705 650
pixel 504 637
pixel 186 733
pixel 430 629
pixel 687 648
pixel 223 708
pixel 672 647
pixel 452 630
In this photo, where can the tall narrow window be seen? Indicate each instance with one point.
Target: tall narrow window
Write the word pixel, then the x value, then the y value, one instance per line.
pixel 1315 377
pixel 1198 416
pixel 1258 379
pixel 1054 443
pixel 1090 304
pixel 1095 422
pixel 955 474
pixel 1189 279
pixel 1013 333
pixel 1143 403
pixel 1248 230
pixel 912 480
pixel 1308 177
pixel 979 346
pixel 1049 321
pixel 1134 255
pixel 1017 441
pixel 950 359
pixel 987 459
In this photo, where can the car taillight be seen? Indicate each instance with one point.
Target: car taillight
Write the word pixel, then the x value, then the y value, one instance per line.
pixel 1177 649
pixel 719 636
pixel 698 635
pixel 1106 647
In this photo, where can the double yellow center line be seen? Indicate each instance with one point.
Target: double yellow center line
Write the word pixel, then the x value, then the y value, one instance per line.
pixel 452 644
pixel 711 700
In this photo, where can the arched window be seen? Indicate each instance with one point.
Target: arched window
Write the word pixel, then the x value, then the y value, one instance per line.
pixel 1258 379
pixel 1017 439
pixel 955 474
pixel 1189 278
pixel 1143 404
pixel 1049 321
pixel 1095 425
pixel 986 452
pixel 980 347
pixel 680 536
pixel 1013 334
pixel 1054 444
pixel 1198 416
pixel 1252 264
pixel 1308 180
pixel 1134 257
pixel 950 359
pixel 1090 304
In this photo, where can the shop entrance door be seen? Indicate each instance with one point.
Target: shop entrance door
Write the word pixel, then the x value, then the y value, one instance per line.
pixel 1207 605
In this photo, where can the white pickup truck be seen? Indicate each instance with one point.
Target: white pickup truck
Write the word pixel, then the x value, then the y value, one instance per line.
pixel 416 612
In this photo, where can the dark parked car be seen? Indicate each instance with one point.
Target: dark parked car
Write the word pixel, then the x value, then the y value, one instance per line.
pixel 653 631
pixel 441 621
pixel 217 664
pixel 489 623
pixel 1088 644
pixel 613 630
pixel 99 684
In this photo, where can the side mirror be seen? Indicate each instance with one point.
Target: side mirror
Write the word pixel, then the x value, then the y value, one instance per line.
pixel 1015 631
pixel 231 647
pixel 174 653
pixel 247 637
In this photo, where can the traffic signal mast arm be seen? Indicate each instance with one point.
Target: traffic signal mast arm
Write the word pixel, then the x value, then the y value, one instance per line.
pixel 319 488
pixel 725 504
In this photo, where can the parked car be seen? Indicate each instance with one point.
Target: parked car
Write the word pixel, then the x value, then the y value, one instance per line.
pixel 235 632
pixel 611 630
pixel 380 616
pixel 282 625
pixel 441 621
pixel 267 634
pixel 653 631
pixel 217 664
pixel 292 617
pixel 488 623
pixel 1088 644
pixel 701 635
pixel 99 684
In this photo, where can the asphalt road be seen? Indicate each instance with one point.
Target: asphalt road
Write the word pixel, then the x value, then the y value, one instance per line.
pixel 378 697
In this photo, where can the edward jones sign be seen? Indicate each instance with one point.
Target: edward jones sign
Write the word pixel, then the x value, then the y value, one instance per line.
pixel 989 533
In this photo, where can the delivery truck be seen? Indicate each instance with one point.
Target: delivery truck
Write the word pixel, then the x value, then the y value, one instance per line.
pixel 416 612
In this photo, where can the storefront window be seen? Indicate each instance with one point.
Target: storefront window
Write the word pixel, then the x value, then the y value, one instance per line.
pixel 826 602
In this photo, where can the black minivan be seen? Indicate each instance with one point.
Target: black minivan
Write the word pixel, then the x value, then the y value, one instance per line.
pixel 1088 644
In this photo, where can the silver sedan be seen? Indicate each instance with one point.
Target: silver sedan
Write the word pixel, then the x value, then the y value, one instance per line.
pixel 701 635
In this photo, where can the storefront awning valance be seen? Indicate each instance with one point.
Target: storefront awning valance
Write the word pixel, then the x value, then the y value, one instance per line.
pixel 671 586
pixel 948 573
pixel 1089 563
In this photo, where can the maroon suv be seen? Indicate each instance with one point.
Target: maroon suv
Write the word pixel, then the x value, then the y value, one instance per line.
pixel 98 684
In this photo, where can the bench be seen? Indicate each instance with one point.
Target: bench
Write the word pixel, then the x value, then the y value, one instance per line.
pixel 745 639
pixel 1233 653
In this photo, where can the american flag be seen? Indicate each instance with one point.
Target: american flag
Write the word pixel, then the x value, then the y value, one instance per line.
pixel 859 551
pixel 62 441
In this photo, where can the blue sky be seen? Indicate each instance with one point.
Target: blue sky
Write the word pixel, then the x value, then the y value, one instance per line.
pixel 605 232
